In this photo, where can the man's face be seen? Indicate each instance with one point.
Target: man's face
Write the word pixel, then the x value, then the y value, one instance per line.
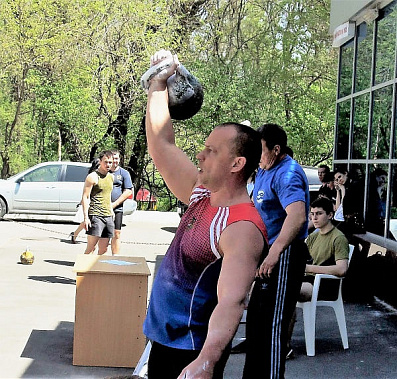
pixel 106 163
pixel 116 161
pixel 268 157
pixel 216 158
pixel 321 174
pixel 319 217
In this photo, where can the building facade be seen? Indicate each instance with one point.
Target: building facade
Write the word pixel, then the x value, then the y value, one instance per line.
pixel 365 32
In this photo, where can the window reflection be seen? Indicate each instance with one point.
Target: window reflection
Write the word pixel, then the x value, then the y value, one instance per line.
pixel 393 203
pixel 370 119
pixel 381 119
pixel 386 45
pixel 377 195
pixel 364 56
pixel 360 127
pixel 43 174
pixel 357 174
pixel 342 131
pixel 346 69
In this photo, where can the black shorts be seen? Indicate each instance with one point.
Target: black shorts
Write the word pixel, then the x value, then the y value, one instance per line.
pixel 101 226
pixel 167 362
pixel 329 288
pixel 118 220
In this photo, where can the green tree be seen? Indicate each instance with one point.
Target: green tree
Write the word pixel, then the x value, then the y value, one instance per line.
pixel 70 71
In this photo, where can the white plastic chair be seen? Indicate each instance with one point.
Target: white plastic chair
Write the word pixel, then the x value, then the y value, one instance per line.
pixel 309 311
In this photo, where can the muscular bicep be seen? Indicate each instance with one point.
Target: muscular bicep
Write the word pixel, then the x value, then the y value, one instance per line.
pixel 241 245
pixel 88 184
pixel 297 210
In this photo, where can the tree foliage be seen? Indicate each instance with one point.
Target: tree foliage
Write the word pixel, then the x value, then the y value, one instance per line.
pixel 70 71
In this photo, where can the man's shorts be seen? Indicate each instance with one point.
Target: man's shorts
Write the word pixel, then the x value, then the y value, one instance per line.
pixel 101 226
pixel 118 220
pixel 329 288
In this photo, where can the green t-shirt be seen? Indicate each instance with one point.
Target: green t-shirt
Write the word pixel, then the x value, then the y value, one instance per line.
pixel 100 198
pixel 326 249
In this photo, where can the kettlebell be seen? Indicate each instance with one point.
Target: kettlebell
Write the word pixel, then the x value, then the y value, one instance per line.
pixel 185 93
pixel 27 257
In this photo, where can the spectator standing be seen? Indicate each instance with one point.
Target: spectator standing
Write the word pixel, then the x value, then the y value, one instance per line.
pixel 329 250
pixel 122 190
pixel 97 207
pixel 196 302
pixel 79 216
pixel 325 189
pixel 329 180
pixel 281 195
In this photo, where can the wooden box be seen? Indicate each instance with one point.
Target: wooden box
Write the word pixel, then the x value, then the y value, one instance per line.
pixel 111 298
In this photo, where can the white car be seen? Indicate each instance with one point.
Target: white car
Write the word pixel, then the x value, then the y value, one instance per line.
pixel 50 188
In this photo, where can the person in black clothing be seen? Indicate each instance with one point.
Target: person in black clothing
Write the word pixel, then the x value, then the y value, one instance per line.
pixel 328 188
pixel 349 204
pixel 375 220
pixel 324 176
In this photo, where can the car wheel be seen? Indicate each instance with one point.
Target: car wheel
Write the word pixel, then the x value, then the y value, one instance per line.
pixel 3 208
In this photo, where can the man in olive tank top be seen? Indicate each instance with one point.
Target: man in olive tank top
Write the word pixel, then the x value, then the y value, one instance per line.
pixel 97 205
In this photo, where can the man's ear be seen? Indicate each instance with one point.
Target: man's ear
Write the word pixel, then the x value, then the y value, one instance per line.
pixel 277 149
pixel 238 164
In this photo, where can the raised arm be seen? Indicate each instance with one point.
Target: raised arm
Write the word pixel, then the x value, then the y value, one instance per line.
pixel 178 171
pixel 242 245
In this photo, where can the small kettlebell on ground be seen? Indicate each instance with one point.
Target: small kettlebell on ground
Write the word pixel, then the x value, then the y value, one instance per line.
pixel 27 257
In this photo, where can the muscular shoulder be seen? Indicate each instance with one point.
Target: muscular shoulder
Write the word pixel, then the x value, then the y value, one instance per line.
pixel 242 237
pixel 92 178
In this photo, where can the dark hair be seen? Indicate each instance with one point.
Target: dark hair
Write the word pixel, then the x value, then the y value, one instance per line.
pixel 274 135
pixel 94 165
pixel 379 171
pixel 105 153
pixel 327 169
pixel 323 202
pixel 115 151
pixel 329 177
pixel 342 170
pixel 248 145
pixel 289 151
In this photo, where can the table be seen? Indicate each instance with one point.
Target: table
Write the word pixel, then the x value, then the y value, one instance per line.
pixel 111 298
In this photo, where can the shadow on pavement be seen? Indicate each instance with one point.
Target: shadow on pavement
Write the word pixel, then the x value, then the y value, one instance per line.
pixel 53 279
pixel 171 229
pixel 62 263
pixel 52 355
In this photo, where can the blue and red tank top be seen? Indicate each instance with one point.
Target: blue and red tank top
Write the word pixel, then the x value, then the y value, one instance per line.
pixel 184 291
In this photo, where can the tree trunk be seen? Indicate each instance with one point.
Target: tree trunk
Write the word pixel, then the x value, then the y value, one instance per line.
pixel 9 129
pixel 136 164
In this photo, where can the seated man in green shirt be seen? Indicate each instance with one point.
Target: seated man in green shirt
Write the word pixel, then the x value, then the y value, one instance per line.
pixel 329 249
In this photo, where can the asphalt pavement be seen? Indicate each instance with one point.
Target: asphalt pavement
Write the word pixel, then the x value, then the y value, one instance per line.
pixel 37 309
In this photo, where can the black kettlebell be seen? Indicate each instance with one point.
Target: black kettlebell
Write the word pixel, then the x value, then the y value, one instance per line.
pixel 185 93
